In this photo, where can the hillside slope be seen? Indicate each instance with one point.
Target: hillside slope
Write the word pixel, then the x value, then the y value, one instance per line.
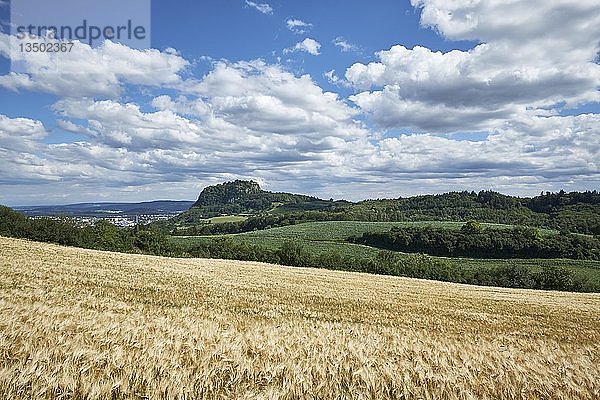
pixel 87 324
pixel 577 212
pixel 241 197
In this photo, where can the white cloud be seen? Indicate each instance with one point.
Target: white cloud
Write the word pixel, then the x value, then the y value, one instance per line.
pixel 23 158
pixel 298 26
pixel 131 149
pixel 251 100
pixel 19 134
pixel 125 126
pixel 255 120
pixel 182 105
pixel 308 45
pixel 87 71
pixel 515 21
pixel 332 77
pixel 521 65
pixel 245 120
pixel 548 147
pixel 71 127
pixel 258 92
pixel 23 128
pixel 344 45
pixel 264 8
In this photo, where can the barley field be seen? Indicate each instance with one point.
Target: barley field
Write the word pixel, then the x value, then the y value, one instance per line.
pixel 81 324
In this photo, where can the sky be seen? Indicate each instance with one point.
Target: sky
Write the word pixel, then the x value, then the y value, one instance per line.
pixel 339 99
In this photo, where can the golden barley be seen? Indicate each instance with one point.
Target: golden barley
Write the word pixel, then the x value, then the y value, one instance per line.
pixel 80 324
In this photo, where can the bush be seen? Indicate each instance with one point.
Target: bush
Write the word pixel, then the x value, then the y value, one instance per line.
pixel 554 278
pixel 294 254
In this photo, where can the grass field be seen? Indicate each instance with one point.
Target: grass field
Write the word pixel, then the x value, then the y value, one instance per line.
pixel 341 230
pixel 321 237
pixel 330 231
pixel 327 236
pixel 226 218
pixel 81 324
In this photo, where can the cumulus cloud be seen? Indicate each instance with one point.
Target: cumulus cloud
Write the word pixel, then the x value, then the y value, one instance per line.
pixel 124 125
pixel 551 147
pixel 264 8
pixel 87 71
pixel 20 133
pixel 308 45
pixel 520 65
pixel 515 21
pixel 23 128
pixel 247 119
pixel 256 120
pixel 298 26
pixel 182 105
pixel 130 148
pixel 23 158
pixel 227 83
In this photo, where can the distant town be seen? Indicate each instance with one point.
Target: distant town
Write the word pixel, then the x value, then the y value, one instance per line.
pixel 119 214
pixel 122 221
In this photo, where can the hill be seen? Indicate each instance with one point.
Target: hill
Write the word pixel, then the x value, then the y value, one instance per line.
pixel 238 197
pixel 576 212
pixel 243 196
pixel 86 324
pixel 326 245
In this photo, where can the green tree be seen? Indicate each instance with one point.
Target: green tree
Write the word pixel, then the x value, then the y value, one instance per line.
pixel 471 227
pixel 293 254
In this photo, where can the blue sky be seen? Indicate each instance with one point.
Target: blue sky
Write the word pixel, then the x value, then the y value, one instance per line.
pixel 343 99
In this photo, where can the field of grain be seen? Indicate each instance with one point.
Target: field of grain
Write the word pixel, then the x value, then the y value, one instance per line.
pixel 80 324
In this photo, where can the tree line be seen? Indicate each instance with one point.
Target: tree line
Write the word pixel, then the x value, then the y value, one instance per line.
pixel 392 263
pixel 68 232
pixel 105 236
pixel 575 212
pixel 474 241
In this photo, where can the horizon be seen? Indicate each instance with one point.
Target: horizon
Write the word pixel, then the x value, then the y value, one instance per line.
pixel 351 101
pixel 15 206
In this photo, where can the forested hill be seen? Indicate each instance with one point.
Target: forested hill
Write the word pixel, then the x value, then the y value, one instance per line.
pixel 577 212
pixel 241 197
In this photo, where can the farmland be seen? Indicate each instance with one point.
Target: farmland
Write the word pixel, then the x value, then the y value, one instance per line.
pixel 226 218
pixel 326 237
pixel 86 324
pixel 332 231
pixel 323 236
pixel 341 230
